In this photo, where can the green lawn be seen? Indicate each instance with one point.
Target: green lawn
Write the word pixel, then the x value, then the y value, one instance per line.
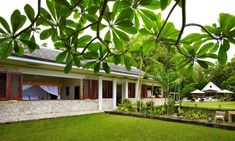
pixel 105 127
pixel 224 105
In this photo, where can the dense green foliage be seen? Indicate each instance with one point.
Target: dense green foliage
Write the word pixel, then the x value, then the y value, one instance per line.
pixel 126 106
pixel 101 31
pixel 194 114
pixel 147 107
pixel 104 127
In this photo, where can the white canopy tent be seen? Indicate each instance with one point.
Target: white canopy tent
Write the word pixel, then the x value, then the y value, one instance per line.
pixel 197 91
pixel 225 92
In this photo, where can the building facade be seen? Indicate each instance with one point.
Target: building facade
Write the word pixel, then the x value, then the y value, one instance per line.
pixel 36 84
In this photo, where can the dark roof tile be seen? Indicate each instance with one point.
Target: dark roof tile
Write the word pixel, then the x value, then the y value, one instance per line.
pixel 49 55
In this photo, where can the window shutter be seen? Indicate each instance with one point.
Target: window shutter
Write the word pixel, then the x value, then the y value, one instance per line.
pixel 94 89
pixel 85 89
pixel 131 90
pixel 15 86
pixel 10 86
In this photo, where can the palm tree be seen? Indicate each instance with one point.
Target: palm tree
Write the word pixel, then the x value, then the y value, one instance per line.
pixel 167 78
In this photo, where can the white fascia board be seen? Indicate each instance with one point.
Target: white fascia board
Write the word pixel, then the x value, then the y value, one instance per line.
pixel 62 65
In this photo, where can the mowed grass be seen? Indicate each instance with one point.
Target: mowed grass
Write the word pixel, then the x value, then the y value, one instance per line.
pixel 105 127
pixel 224 105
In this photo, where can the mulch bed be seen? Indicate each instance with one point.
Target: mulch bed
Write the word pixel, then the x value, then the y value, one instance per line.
pixel 181 120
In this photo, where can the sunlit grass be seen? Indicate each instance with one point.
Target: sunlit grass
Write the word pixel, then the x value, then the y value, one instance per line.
pixel 105 127
pixel 222 105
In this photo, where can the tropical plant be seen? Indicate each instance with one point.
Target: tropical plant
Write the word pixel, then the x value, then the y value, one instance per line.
pixel 159 110
pixel 167 78
pixel 69 23
pixel 150 105
pixel 126 106
pixel 140 104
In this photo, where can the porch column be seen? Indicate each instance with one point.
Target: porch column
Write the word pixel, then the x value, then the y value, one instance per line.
pixel 114 93
pixel 126 89
pixel 100 94
pixel 136 90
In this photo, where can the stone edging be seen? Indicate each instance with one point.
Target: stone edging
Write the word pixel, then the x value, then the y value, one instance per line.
pixel 166 118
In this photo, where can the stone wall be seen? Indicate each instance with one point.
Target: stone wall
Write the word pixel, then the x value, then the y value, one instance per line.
pixel 107 104
pixel 22 108
pixel 133 100
pixel 157 101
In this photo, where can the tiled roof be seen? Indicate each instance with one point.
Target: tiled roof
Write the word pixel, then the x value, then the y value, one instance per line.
pixel 211 87
pixel 49 55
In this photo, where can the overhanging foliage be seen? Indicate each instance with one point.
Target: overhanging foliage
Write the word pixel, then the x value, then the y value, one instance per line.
pixel 69 23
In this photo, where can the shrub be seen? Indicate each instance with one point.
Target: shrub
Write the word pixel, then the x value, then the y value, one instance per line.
pixel 140 105
pixel 159 110
pixel 181 112
pixel 150 105
pixel 171 105
pixel 195 115
pixel 126 106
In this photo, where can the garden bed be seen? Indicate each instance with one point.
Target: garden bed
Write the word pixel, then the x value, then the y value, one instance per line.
pixel 181 120
pixel 205 111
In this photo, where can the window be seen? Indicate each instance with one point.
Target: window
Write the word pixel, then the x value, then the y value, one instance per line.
pixel 157 91
pixel 10 86
pixel 144 91
pixel 90 89
pixel 107 89
pixel 131 90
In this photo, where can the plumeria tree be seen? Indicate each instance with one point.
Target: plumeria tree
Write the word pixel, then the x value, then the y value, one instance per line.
pixel 68 23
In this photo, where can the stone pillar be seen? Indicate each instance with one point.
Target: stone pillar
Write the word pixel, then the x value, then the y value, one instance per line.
pixel 114 93
pixel 136 90
pixel 126 89
pixel 100 94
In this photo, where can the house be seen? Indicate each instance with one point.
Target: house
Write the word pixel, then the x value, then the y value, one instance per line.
pixel 34 84
pixel 210 92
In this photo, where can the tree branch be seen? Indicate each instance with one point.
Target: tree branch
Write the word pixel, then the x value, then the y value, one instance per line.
pixel 169 14
pixel 32 23
pixel 109 51
pixel 49 22
pixel 183 21
pixel 78 30
pixel 182 28
pixel 87 46
pixel 203 28
pixel 75 5
pixel 104 5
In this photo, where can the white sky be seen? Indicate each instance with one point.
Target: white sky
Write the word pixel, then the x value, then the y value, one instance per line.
pixel 198 11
